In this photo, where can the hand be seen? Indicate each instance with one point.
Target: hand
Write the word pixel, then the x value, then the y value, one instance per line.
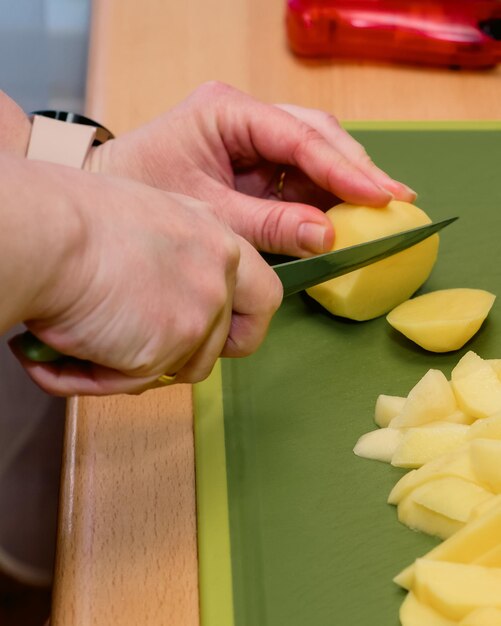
pixel 228 149
pixel 152 284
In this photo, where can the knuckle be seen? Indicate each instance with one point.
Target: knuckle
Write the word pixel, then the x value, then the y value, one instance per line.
pixel 143 361
pixel 270 228
pixel 196 375
pixel 193 330
pixel 276 293
pixel 214 89
pixel 329 119
pixel 232 254
pixel 309 138
pixel 217 297
pixel 362 154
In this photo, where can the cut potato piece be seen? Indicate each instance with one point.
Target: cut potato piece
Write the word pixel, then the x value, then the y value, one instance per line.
pixel 487 428
pixel 418 517
pixel 475 539
pixel 415 613
pixel 431 399
pixel 486 462
pixel 457 589
pixel 438 424
pixel 441 321
pixel 379 445
pixel 387 407
pixel 496 366
pixel 484 507
pixel 451 496
pixel 491 558
pixel 377 288
pixel 420 445
pixel 458 417
pixel 476 386
pixel 457 463
pixel 486 616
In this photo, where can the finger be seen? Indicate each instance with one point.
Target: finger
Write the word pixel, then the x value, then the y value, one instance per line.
pixel 261 131
pixel 258 294
pixel 335 134
pixel 275 226
pixel 296 187
pixel 200 365
pixel 71 377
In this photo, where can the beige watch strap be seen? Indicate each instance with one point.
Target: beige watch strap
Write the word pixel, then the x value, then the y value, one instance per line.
pixel 59 142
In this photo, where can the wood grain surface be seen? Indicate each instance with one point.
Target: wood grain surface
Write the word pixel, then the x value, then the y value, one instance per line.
pixel 127 539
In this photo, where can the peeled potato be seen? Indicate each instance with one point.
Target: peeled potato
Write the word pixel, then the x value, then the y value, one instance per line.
pixel 421 445
pixel 416 613
pixel 476 386
pixel 457 589
pixel 379 445
pixel 430 399
pixel 376 289
pixel 441 321
pixel 484 616
pixel 387 407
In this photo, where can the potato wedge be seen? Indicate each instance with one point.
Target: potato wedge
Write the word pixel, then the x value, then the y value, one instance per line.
pixel 442 321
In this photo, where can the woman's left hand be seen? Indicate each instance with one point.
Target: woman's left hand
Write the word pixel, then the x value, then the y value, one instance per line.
pixel 268 171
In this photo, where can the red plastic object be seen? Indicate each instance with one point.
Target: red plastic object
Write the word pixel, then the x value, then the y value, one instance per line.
pixel 455 33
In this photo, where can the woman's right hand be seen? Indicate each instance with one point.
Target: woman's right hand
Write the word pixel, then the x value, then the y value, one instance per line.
pixel 151 283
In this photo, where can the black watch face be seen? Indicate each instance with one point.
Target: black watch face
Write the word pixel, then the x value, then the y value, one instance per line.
pixel 102 133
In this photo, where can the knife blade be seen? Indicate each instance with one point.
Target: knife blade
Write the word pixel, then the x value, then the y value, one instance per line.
pixel 304 273
pixel 298 274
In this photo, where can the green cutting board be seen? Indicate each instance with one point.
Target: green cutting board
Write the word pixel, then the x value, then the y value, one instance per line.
pixel 294 530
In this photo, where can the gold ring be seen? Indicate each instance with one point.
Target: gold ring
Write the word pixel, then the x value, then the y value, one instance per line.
pixel 279 188
pixel 167 379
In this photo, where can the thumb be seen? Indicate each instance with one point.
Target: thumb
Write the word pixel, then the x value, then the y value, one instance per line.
pixel 278 227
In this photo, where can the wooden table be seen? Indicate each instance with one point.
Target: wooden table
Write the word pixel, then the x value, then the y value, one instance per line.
pixel 127 539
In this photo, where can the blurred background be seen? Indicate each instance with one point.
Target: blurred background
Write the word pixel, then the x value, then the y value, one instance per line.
pixel 43 52
pixel 43 59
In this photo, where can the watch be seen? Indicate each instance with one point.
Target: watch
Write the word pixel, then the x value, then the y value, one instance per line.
pixel 64 138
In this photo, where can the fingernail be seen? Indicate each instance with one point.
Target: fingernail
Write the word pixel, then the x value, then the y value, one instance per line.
pixel 312 237
pixel 410 191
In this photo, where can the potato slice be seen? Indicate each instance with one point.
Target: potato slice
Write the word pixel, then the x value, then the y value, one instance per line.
pixel 487 428
pixel 418 517
pixel 485 507
pixel 486 616
pixel 458 417
pixel 457 589
pixel 486 462
pixel 475 539
pixel 452 497
pixel 415 613
pixel 491 558
pixel 376 289
pixel 379 445
pixel 421 445
pixel 476 386
pixel 496 366
pixel 441 321
pixel 457 463
pixel 431 399
pixel 387 407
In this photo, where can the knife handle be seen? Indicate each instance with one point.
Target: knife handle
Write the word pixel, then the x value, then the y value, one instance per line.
pixel 36 350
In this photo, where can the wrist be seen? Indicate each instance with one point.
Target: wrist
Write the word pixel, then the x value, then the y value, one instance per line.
pixel 15 127
pixel 43 238
pixel 64 138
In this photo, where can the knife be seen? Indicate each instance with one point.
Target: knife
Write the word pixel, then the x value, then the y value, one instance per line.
pixel 298 274
pixel 304 273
